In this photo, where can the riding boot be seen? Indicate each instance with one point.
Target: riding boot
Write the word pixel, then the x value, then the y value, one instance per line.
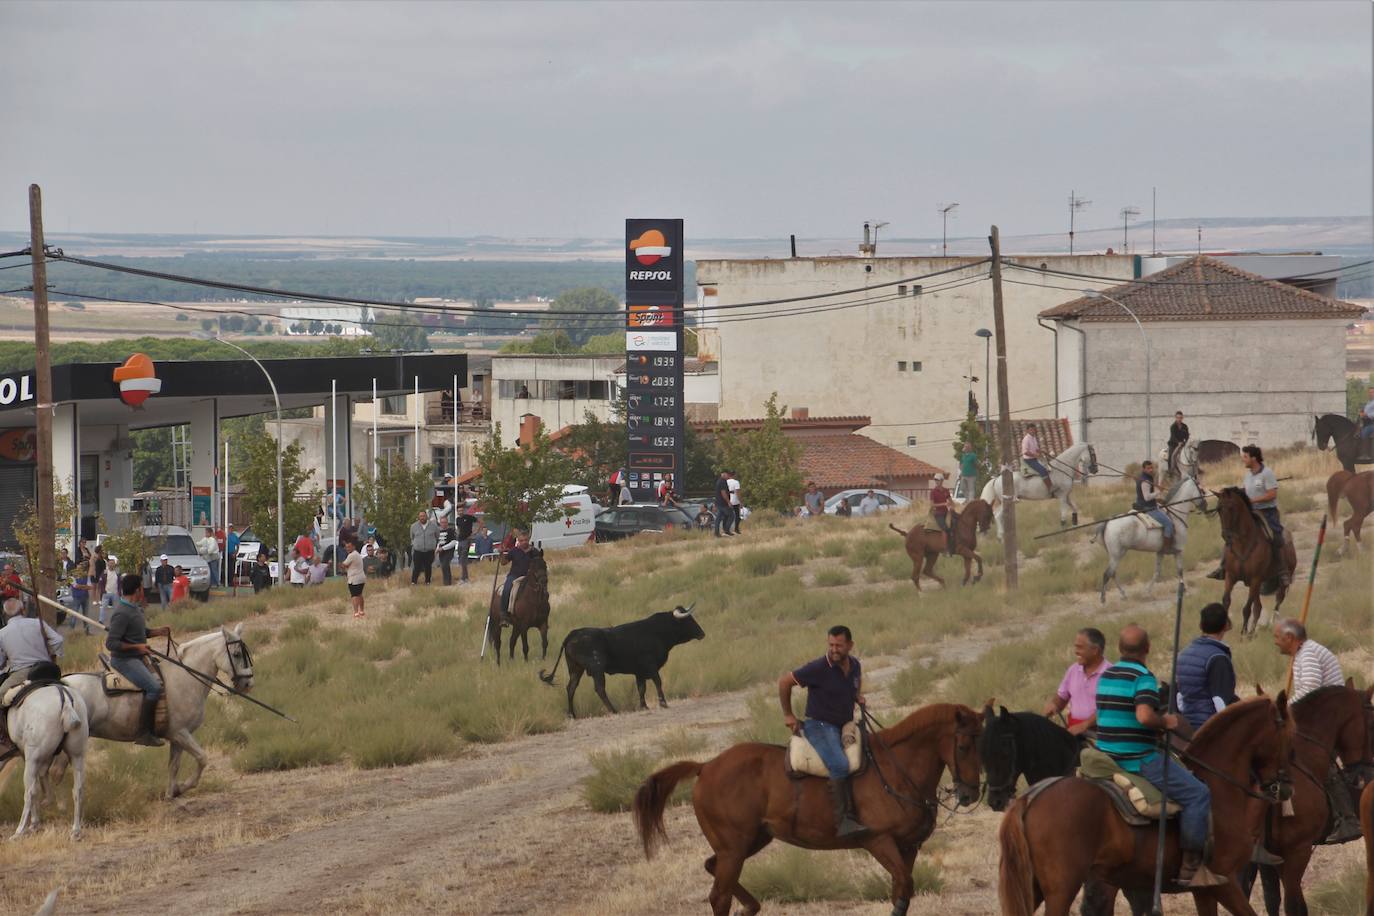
pixel 147 738
pixel 847 825
pixel 1345 824
pixel 949 543
pixel 1193 872
pixel 1219 572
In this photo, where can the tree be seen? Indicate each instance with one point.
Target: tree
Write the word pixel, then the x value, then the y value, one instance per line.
pixel 1357 395
pixel 131 547
pixel 392 496
pixel 257 468
pixel 523 485
pixel 765 459
pixel 398 331
pixel 152 455
pixel 25 530
pixel 583 299
pixel 984 446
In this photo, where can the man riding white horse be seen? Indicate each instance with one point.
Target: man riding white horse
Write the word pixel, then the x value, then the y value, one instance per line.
pixel 25 643
pixel 1030 456
pixel 127 641
pixel 1147 500
pixel 1178 437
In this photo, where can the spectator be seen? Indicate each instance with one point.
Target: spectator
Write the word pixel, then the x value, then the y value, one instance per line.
pixel 81 589
pixel 110 588
pixel 869 505
pixel 737 512
pixel 723 502
pixel 626 497
pixel 317 572
pixel 231 555
pixel 843 509
pixel 666 496
pixel 357 579
pixel 181 585
pixel 424 539
pixel 162 578
pixel 66 563
pixel 968 473
pixel 448 543
pixel 371 547
pixel 305 547
pixel 208 548
pixel 464 532
pixel 11 597
pixel 482 543
pixel 261 574
pixel 814 500
pixel 299 571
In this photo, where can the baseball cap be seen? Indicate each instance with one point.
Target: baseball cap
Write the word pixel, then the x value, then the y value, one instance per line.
pixel 163 557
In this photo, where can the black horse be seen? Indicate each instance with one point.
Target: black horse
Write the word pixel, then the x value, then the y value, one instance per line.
pixel 1016 744
pixel 1342 430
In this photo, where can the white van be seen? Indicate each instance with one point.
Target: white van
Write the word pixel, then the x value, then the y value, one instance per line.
pixel 573 530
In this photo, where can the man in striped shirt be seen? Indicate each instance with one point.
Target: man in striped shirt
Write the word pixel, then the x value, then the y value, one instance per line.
pixel 1129 722
pixel 1315 667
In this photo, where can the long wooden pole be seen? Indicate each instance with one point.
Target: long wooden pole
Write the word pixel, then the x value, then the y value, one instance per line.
pixel 45 577
pixel 1311 581
pixel 1004 416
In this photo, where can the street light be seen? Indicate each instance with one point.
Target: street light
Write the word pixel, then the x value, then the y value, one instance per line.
pixel 944 223
pixel 281 540
pixel 1149 418
pixel 987 368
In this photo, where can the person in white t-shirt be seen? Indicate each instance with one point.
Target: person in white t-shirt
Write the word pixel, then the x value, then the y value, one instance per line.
pixel 300 570
pixel 111 590
pixel 735 504
pixel 357 578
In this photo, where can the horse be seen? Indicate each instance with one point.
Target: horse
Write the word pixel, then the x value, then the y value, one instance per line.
pixel 1358 490
pixel 1333 429
pixel 1245 743
pixel 529 610
pixel 1248 556
pixel 1367 822
pixel 1131 532
pixel 1064 468
pixel 744 800
pixel 1185 461
pixel 219 653
pixel 1328 723
pixel 51 720
pixel 926 545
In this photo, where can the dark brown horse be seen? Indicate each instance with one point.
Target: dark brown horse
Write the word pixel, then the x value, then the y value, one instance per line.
pixel 1358 490
pixel 744 800
pixel 1341 432
pixel 529 610
pixel 1328 723
pixel 1071 831
pixel 924 545
pixel 1367 822
pixel 1249 557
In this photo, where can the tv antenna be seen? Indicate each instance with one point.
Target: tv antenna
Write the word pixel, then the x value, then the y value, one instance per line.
pixel 1127 214
pixel 1076 203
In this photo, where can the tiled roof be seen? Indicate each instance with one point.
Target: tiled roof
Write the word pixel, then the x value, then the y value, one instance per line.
pixel 788 423
pixel 852 461
pixel 1055 434
pixel 1205 289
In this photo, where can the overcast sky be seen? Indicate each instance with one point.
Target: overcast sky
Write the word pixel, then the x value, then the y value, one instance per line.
pixel 561 119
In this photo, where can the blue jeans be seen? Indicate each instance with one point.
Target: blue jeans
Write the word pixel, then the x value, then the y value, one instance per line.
pixel 214 571
pixel 1188 791
pixel 825 738
pixel 164 594
pixel 505 594
pixel 1367 431
pixel 138 674
pixel 1163 518
pixel 1035 465
pixel 722 518
pixel 107 604
pixel 1271 515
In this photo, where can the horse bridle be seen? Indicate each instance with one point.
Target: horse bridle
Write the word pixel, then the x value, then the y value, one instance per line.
pixel 930 805
pixel 1273 792
pixel 237 675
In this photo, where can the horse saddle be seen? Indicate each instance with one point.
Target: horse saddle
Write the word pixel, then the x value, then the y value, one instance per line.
pixel 934 526
pixel 116 683
pixel 1135 797
pixel 802 760
pixel 39 675
pixel 515 588
pixel 1027 470
pixel 1149 521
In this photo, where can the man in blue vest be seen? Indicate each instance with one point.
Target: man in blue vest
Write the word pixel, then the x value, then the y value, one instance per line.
pixel 1206 677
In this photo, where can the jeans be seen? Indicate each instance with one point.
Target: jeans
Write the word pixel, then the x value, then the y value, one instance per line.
pixel 505 594
pixel 1367 431
pixel 421 560
pixel 1188 791
pixel 722 518
pixel 1035 465
pixel 164 594
pixel 1271 515
pixel 214 571
pixel 733 518
pixel 107 604
pixel 138 674
pixel 463 559
pixel 825 738
pixel 446 566
pixel 1163 518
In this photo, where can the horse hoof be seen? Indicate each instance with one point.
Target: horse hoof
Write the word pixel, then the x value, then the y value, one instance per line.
pixel 662 704
pixel 76 835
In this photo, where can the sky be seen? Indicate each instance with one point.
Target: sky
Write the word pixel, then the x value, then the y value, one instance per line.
pixel 527 119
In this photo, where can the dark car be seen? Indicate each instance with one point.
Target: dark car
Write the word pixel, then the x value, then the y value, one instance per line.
pixel 623 521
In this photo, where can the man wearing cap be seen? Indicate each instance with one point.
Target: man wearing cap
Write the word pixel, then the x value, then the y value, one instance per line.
pixel 939 507
pixel 163 577
pixel 231 555
pixel 25 641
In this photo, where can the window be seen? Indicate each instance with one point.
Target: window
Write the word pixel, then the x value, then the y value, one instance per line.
pixel 916 290
pixel 600 391
pixel 396 404
pixel 915 365
pixel 582 390
pixel 910 440
pixel 391 448
pixel 443 461
pixel 901 365
pixel 566 390
pixel 901 289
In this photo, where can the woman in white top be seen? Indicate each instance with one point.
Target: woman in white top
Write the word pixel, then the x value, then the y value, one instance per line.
pixel 357 578
pixel 300 570
pixel 111 595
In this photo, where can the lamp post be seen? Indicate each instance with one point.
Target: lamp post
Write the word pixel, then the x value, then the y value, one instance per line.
pixel 987 368
pixel 281 540
pixel 1149 418
pixel 944 223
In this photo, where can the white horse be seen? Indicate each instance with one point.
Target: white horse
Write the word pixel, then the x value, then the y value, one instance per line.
pixel 1186 460
pixel 51 720
pixel 1064 468
pixel 218 655
pixel 1132 532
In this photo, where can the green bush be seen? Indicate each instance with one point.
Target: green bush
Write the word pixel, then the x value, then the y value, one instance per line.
pixel 791 875
pixel 1338 896
pixel 832 576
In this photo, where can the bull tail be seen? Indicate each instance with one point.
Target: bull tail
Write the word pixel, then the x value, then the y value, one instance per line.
pixel 1016 876
pixel 896 529
pixel 652 798
pixel 548 678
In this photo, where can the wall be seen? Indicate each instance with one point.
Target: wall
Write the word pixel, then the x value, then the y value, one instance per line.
pixel 554 412
pixel 845 362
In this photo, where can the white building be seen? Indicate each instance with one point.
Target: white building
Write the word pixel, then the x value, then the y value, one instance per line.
pixel 558 390
pixel 297 319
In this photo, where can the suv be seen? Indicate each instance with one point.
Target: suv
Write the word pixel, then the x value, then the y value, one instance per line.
pixel 181 551
pixel 623 521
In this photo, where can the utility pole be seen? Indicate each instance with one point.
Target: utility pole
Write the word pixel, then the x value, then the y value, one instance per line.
pixel 45 576
pixel 1004 416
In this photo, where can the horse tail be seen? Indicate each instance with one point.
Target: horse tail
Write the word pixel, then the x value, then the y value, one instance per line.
pixel 1015 877
pixel 71 719
pixel 896 529
pixel 548 678
pixel 1099 534
pixel 652 798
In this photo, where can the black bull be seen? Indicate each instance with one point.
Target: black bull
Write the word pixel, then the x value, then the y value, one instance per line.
pixel 640 648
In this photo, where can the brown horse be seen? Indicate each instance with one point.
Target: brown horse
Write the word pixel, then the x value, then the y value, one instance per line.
pixel 1328 723
pixel 1358 490
pixel 1249 557
pixel 529 610
pixel 926 545
pixel 1367 822
pixel 744 800
pixel 1071 830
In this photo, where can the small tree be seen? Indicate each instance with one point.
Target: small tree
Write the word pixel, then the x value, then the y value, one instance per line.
pixel 257 468
pixel 391 497
pixel 766 461
pixel 131 546
pixel 973 432
pixel 25 530
pixel 523 485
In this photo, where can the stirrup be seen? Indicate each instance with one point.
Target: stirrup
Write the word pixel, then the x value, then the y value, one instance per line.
pixel 148 739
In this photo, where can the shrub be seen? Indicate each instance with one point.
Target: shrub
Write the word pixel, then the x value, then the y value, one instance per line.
pixel 616 776
pixel 832 576
pixel 1340 895
pixel 792 875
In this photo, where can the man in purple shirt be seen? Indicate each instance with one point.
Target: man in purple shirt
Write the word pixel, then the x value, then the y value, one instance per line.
pixel 834 683
pixel 1078 689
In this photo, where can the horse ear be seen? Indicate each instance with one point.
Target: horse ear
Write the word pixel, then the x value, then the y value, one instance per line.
pixel 990 702
pixel 238 631
pixel 1002 711
pixel 1350 683
pixel 1259 690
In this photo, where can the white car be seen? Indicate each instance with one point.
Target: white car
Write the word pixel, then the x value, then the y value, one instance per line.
pixel 886 500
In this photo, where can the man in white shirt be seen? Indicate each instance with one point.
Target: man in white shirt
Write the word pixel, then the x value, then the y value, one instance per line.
pixel 208 548
pixel 735 505
pixel 869 505
pixel 1315 667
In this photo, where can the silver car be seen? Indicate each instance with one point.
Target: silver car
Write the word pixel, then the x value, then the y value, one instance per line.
pixel 180 549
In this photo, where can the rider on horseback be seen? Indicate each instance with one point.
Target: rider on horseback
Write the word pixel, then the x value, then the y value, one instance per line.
pixel 939 508
pixel 1030 455
pixel 1263 489
pixel 519 559
pixel 127 640
pixel 1178 437
pixel 1129 722
pixel 834 683
pixel 25 642
pixel 1367 421
pixel 1147 501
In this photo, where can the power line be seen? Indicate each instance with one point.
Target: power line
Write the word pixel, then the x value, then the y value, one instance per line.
pixel 13 266
pixel 1076 289
pixel 1239 281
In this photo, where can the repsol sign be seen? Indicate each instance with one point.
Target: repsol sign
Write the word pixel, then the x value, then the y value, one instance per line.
pixel 16 390
pixel 651 275
pixel 653 259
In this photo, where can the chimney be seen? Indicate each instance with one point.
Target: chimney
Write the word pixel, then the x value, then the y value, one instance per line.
pixel 529 428
pixel 801 413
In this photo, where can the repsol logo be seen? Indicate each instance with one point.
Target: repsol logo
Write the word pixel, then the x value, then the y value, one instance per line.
pixel 12 390
pixel 651 275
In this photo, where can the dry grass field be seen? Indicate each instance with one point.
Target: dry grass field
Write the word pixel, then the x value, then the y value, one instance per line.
pixel 423 780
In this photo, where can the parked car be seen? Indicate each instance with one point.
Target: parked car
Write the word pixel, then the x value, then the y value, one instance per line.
pixel 566 531
pixel 624 521
pixel 181 551
pixel 886 500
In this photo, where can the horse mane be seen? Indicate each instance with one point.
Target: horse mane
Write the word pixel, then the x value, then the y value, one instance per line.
pixel 927 717
pixel 1244 497
pixel 1042 734
pixel 1321 693
pixel 1220 724
pixel 1173 491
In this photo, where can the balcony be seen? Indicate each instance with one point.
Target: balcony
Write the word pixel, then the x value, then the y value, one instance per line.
pixel 470 414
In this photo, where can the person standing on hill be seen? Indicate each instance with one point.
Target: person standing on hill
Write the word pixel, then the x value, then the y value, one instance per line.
pixel 736 507
pixel 968 472
pixel 464 532
pixel 424 539
pixel 814 500
pixel 357 579
pixel 448 543
pixel 723 502
pixel 208 548
pixel 162 578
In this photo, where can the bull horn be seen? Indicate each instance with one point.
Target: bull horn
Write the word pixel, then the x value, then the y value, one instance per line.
pixel 684 612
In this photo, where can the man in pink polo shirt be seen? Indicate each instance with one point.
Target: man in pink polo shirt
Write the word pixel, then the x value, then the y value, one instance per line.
pixel 1078 689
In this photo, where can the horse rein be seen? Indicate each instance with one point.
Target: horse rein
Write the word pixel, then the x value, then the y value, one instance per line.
pixel 931 805
pixel 1274 792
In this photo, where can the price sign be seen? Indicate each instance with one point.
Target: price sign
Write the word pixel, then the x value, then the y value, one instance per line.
pixel 653 354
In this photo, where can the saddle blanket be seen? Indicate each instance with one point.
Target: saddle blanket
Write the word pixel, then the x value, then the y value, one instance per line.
pixel 116 683
pixel 802 759
pixel 1139 792
pixel 37 676
pixel 1149 521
